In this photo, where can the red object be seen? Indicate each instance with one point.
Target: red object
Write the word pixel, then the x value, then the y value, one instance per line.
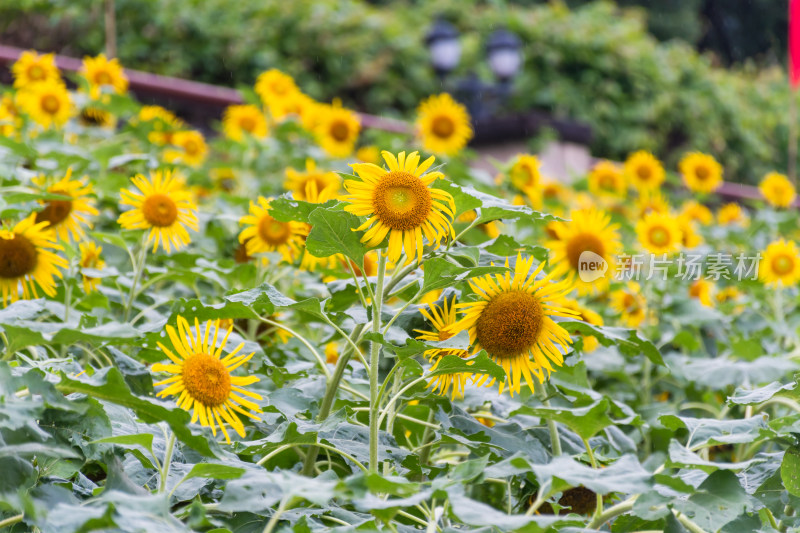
pixel 794 43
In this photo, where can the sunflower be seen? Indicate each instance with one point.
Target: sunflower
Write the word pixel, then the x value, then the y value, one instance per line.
pixel 90 258
pixel 606 178
pixel 96 116
pixel 298 182
pixel 401 204
pixel 524 173
pixel 630 304
pixel 689 236
pixel 27 255
pixel 265 234
pixel 331 353
pixel 239 120
pixel 337 130
pixel 369 154
pixel 47 103
pixel 590 232
pixel 659 233
pixel 225 179
pixel 9 122
pixel 102 73
pixel 513 322
pixel 590 342
pixel 777 190
pixel 193 148
pixel 164 206
pixel 202 380
pixel 697 212
pixel 68 216
pixel 701 172
pixel 296 104
pixel 33 68
pixel 443 124
pixel 701 290
pixel 442 318
pixel 273 87
pixel 728 294
pixel 780 264
pixel 644 171
pixel 164 123
pixel 651 201
pixel 732 213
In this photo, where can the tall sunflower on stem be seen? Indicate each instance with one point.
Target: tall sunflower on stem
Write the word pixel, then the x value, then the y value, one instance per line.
pixel 442 318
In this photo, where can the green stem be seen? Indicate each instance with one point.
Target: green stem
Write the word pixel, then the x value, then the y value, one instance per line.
pixel 374 366
pixel 599 508
pixel 162 485
pixel 612 512
pixel 138 268
pixel 688 524
pixel 302 339
pixel 555 440
pixel 427 434
pixel 12 520
pixel 273 521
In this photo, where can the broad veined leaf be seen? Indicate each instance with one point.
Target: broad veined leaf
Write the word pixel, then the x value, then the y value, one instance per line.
pixel 790 470
pixel 332 233
pixel 710 431
pixel 586 421
pixel 285 208
pixel 627 340
pixel 625 475
pixel 441 273
pixel 761 394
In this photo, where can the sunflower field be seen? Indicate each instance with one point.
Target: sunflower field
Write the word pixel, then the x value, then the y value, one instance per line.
pixel 296 324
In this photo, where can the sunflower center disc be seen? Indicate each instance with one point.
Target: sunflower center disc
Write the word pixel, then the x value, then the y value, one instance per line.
pixel 206 379
pixel 191 147
pixel 160 210
pixel 583 242
pixel 17 257
pixel 50 104
pixel 659 236
pixel 643 172
pixel 782 265
pixel 443 127
pixel 401 200
pixel 272 231
pixel 702 173
pixel 522 176
pixel 36 72
pixel 607 182
pixel 510 325
pixel 55 211
pixel 102 78
pixel 340 131
pixel 247 124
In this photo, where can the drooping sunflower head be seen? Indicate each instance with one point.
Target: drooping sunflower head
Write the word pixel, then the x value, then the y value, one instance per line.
pixel 644 171
pixel 442 319
pixel 202 380
pixel 32 68
pixel 659 233
pixel 47 103
pixel 225 179
pixel 701 291
pixel 28 259
pixel 313 178
pixel 193 148
pixel 651 201
pixel 780 264
pixel 732 213
pixel 701 172
pixel 262 233
pixel 68 215
pixel 585 250
pixel 728 294
pixel 163 205
pixel 401 204
pixel 630 303
pixel 337 130
pixel 607 179
pixel 274 86
pixel 103 73
pixel 524 173
pixel 97 117
pixel 241 120
pixel 697 212
pixel 513 321
pixel 777 190
pixel 91 259
pixel 443 124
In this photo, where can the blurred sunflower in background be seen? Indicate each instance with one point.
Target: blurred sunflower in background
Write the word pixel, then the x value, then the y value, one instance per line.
pixel 583 243
pixel 67 216
pixel 607 178
pixel 651 201
pixel 442 319
pixel 780 264
pixel 274 87
pixel 401 204
pixel 443 125
pixel 163 205
pixel 701 172
pixel 193 148
pixel 732 213
pixel 697 212
pixel 590 342
pixel 337 130
pixel 47 103
pixel 513 321
pixel 32 68
pixel 298 182
pixel 659 233
pixel 690 238
pixel 97 116
pixel 777 190
pixel 241 120
pixel 28 259
pixel 202 380
pixel 524 173
pixel 701 290
pixel 90 258
pixel 103 73
pixel 630 303
pixel 266 234
pixel 313 195
pixel 644 171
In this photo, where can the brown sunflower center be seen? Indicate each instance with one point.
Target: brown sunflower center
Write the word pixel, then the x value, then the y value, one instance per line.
pixel 522 175
pixel 510 325
pixel 50 104
pixel 340 131
pixel 607 182
pixel 401 200
pixel 443 127
pixel 102 78
pixel 206 379
pixel 628 301
pixel 247 124
pixel 782 264
pixel 55 211
pixel 273 231
pixel 17 257
pixel 191 147
pixel 644 172
pixel 702 172
pixel 583 242
pixel 36 72
pixel 658 235
pixel 160 210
